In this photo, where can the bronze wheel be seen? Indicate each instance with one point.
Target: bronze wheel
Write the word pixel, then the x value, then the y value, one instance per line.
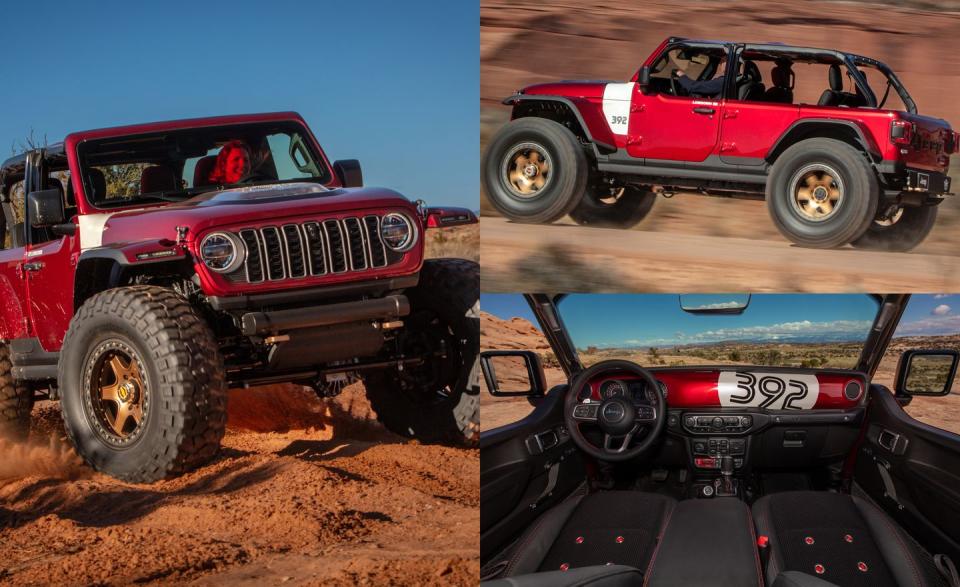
pixel 891 219
pixel 117 393
pixel 817 192
pixel 526 169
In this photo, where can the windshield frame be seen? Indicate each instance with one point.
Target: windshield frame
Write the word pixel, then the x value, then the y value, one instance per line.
pixel 890 308
pixel 160 198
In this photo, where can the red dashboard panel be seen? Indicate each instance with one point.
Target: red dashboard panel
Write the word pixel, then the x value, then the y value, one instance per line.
pixel 767 388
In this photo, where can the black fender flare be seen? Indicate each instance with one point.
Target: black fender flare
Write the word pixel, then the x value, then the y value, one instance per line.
pixel 103 267
pixel 798 127
pixel 518 98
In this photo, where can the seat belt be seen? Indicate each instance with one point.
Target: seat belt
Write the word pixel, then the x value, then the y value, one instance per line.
pixel 947 569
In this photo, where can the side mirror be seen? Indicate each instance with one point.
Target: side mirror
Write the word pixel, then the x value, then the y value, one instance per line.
pixel 444 217
pixel 513 373
pixel 349 173
pixel 46 208
pixel 643 80
pixel 927 372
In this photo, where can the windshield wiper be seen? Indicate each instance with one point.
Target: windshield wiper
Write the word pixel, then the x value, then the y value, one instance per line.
pixel 164 197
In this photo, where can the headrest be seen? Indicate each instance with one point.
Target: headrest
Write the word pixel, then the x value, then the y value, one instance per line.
pixel 751 70
pixel 782 75
pixel 201 173
pixel 836 78
pixel 158 178
pixel 97 184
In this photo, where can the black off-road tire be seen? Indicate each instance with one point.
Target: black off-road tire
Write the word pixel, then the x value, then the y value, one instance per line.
pixel 568 171
pixel 901 236
pixel 447 296
pixel 186 416
pixel 625 212
pixel 16 401
pixel 852 216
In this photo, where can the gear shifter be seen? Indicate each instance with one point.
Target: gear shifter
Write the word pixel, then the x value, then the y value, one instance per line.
pixel 726 487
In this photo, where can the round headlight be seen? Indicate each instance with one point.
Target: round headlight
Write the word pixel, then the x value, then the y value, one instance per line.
pixel 398 232
pixel 222 252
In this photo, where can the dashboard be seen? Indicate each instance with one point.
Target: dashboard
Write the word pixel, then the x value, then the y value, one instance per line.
pixel 769 388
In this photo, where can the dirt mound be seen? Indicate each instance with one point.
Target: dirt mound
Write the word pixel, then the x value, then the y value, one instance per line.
pixel 305 491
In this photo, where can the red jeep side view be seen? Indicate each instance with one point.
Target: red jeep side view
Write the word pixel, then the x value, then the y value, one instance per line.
pixel 842 157
pixel 148 268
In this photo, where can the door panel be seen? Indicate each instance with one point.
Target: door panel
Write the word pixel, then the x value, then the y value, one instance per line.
pixel 673 128
pixel 525 468
pixel 50 288
pixel 13 310
pixel 912 470
pixel 749 129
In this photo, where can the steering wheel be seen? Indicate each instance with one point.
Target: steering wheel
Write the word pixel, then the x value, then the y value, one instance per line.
pixel 617 417
pixel 673 83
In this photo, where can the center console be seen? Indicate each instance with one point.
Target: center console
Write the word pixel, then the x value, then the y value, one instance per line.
pixel 720 533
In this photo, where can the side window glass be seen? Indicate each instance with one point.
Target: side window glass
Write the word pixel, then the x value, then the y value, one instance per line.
pixel 18 206
pixel 929 322
pixel 507 323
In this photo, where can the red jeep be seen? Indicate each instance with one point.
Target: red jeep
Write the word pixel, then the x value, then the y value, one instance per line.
pixel 840 157
pixel 148 268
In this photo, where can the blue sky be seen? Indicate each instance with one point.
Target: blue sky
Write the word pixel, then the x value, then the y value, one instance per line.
pixel 394 84
pixel 656 319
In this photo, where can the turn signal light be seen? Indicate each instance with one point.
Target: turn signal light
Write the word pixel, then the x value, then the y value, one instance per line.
pixel 901 131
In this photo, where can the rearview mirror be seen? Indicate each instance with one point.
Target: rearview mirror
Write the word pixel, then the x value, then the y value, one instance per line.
pixel 46 208
pixel 927 372
pixel 714 303
pixel 513 373
pixel 643 80
pixel 349 173
pixel 444 217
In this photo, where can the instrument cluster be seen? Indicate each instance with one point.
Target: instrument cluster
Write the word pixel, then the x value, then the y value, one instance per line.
pixel 636 390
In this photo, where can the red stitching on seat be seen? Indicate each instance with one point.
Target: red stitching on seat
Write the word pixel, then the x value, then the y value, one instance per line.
pixel 527 537
pixel 756 552
pixel 653 558
pixel 906 551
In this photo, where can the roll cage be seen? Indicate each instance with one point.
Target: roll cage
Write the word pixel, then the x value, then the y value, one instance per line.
pixel 890 309
pixel 773 51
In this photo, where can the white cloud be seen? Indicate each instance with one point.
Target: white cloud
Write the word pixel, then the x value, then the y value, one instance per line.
pixel 941 310
pixel 940 296
pixel 718 306
pixel 784 331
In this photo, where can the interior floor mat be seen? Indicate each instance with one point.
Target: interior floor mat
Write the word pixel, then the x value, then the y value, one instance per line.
pixel 673 483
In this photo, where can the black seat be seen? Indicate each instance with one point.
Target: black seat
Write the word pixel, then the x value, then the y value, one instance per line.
pixel 835 96
pixel 607 527
pixel 750 86
pixel 838 538
pixel 783 80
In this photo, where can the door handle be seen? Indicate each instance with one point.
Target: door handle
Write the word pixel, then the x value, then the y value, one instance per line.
pixel 703 110
pixel 33 266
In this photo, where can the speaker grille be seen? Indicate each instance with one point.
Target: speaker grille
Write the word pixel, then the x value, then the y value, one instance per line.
pixel 852 390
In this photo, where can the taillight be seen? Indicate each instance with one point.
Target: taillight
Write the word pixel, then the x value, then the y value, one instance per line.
pixel 901 131
pixel 952 144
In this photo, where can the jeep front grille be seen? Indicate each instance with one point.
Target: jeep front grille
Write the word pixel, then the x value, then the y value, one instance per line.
pixel 314 248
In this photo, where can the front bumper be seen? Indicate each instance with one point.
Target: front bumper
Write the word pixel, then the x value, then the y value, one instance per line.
pixel 390 308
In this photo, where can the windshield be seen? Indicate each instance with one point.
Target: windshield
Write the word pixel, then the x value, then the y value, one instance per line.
pixel 173 165
pixel 782 330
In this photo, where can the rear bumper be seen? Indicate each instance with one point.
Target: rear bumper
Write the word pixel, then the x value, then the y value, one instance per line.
pixel 932 182
pixel 910 180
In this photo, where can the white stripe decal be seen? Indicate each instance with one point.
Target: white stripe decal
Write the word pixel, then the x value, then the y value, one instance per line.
pixel 91 230
pixel 616 106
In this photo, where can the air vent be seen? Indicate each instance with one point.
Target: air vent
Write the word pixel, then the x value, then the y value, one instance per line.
pixel 852 390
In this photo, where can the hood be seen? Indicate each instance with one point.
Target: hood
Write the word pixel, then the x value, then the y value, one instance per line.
pixel 209 210
pixel 571 88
